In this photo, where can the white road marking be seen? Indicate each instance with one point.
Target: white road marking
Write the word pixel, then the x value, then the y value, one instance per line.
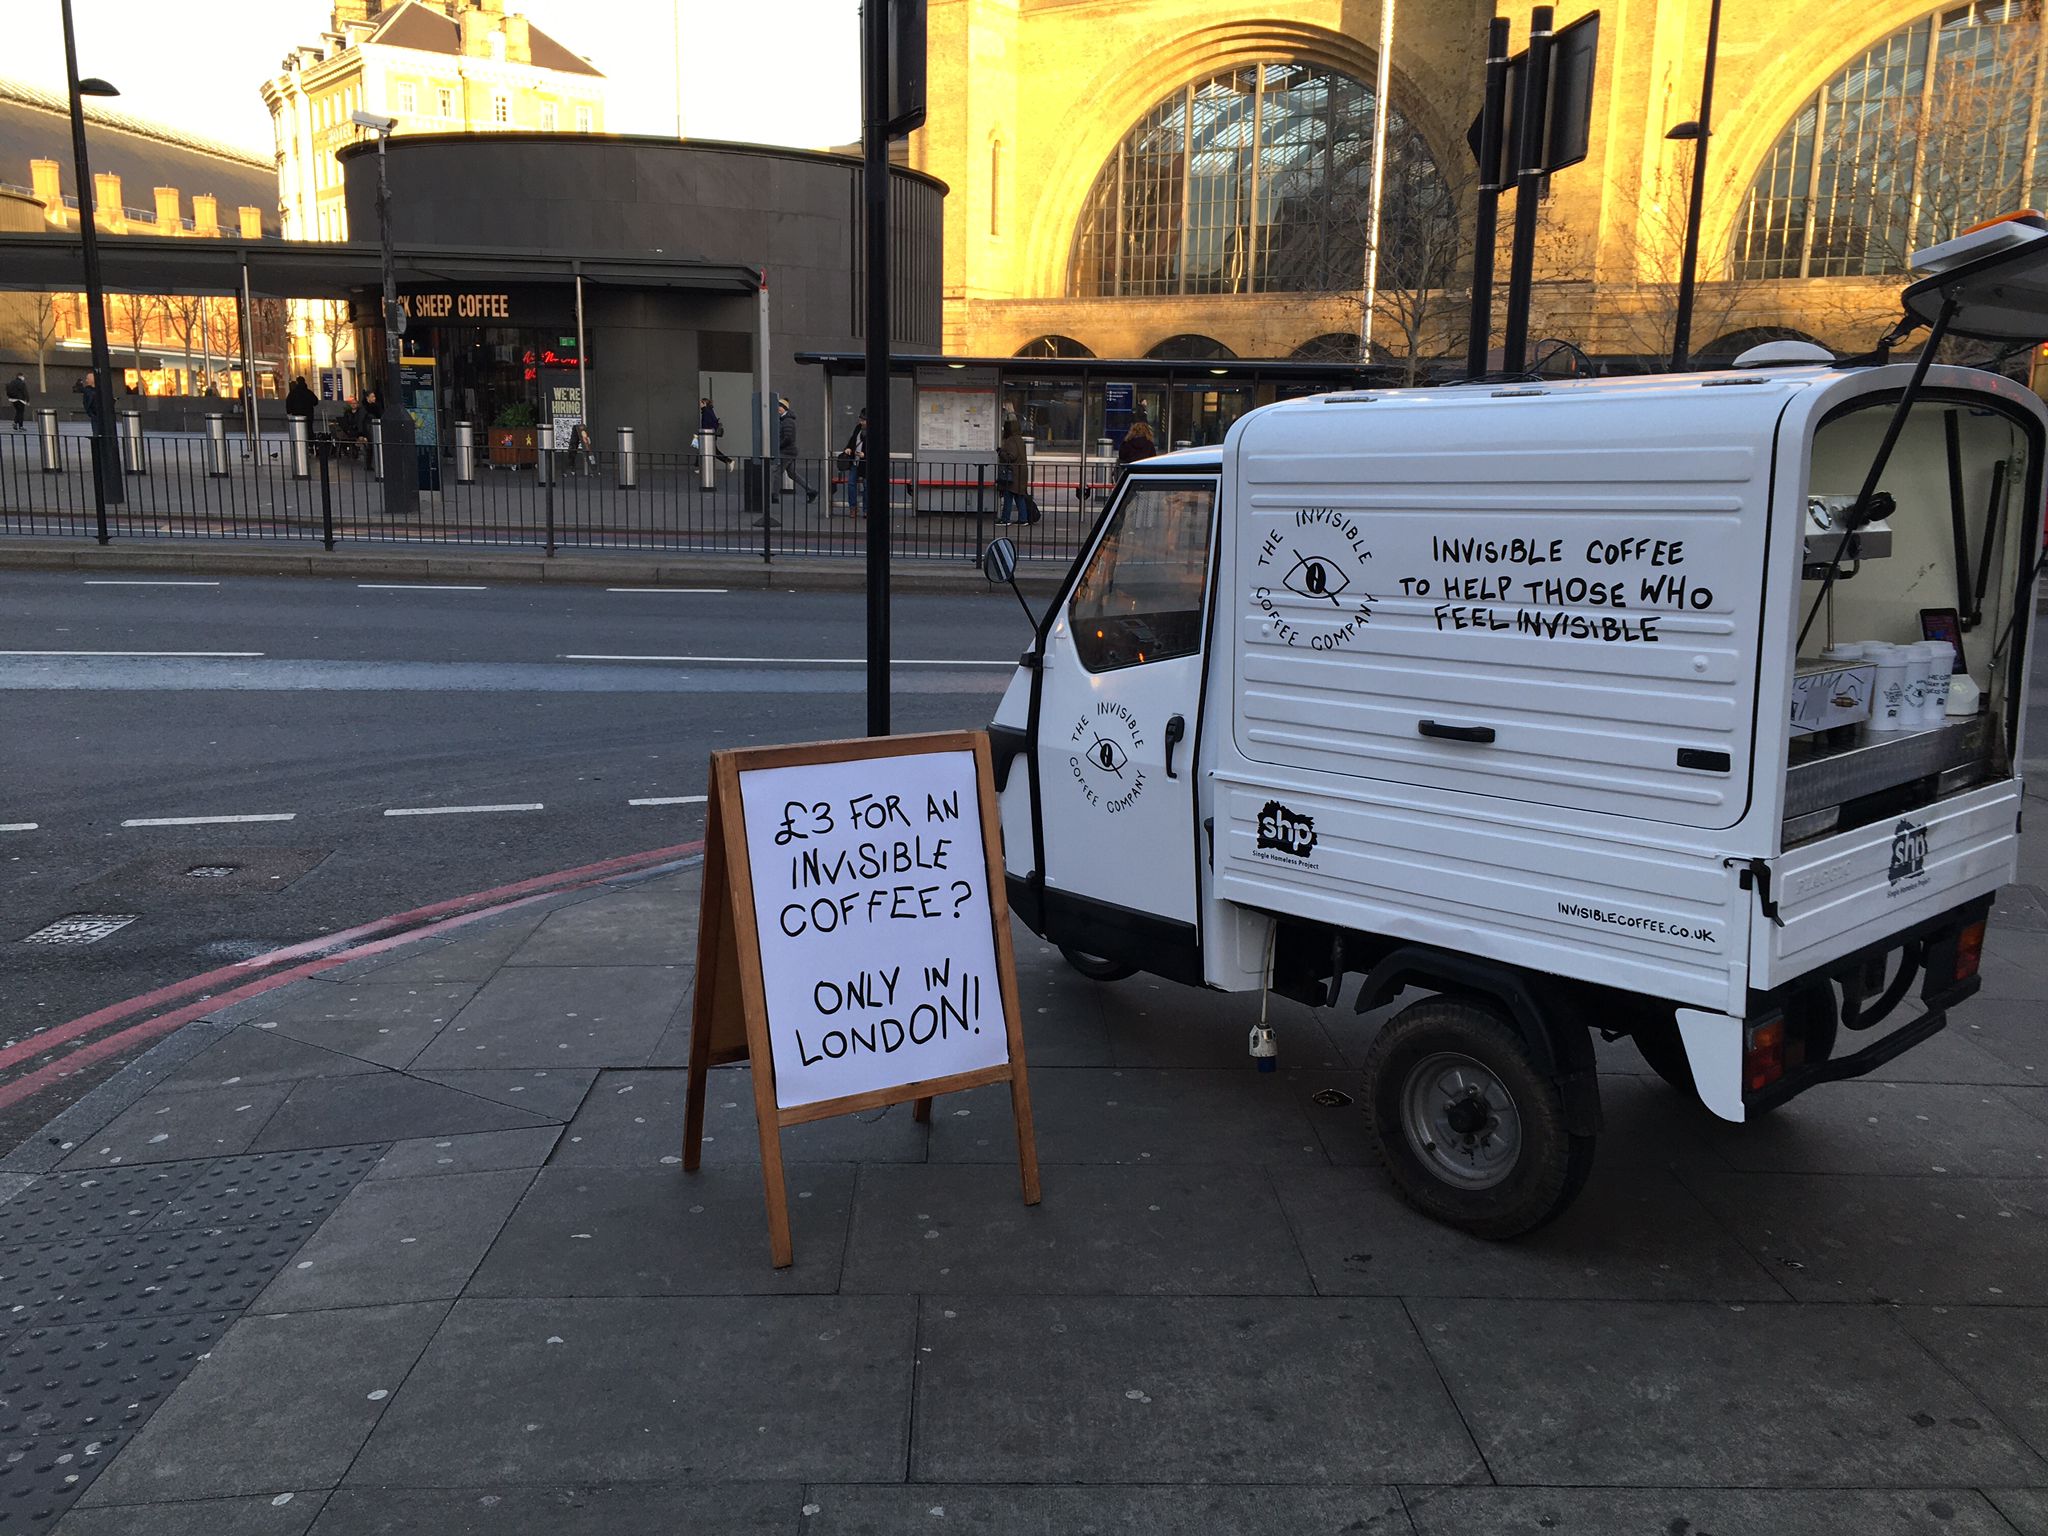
pixel 410 586
pixel 459 810
pixel 206 821
pixel 701 590
pixel 801 661
pixel 656 800
pixel 18 826
pixel 90 582
pixel 228 655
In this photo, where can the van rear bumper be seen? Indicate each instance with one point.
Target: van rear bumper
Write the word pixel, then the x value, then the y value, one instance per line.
pixel 1869 1059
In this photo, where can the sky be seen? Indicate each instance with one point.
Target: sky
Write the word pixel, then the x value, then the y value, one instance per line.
pixel 768 71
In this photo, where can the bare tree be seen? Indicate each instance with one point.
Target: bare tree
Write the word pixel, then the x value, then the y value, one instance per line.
pixel 39 327
pixel 1318 243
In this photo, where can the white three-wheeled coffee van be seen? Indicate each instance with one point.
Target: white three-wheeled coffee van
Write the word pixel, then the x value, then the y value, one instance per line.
pixel 1684 708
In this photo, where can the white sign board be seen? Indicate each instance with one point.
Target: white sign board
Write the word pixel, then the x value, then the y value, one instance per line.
pixel 871 902
pixel 956 420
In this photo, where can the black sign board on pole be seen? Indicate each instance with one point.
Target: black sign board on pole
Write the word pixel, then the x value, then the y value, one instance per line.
pixel 906 66
pixel 1568 127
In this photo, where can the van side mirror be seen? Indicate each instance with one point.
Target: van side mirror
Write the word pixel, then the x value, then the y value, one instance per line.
pixel 999 565
pixel 999 562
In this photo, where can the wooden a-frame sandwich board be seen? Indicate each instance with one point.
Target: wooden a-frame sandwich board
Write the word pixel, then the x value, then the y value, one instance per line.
pixel 730 1012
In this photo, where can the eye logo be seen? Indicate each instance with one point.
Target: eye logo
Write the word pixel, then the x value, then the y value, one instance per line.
pixel 1108 756
pixel 1313 576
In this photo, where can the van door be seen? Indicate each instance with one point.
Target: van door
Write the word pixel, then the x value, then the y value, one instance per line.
pixel 1122 688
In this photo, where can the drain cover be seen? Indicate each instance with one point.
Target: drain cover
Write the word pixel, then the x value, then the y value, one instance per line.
pixel 81 928
pixel 212 871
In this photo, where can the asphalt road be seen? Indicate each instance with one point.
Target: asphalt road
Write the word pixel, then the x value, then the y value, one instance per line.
pixel 334 704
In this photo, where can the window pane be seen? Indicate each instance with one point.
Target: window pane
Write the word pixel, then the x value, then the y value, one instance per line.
pixel 1140 599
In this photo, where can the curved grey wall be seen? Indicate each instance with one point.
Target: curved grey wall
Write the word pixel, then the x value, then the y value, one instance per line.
pixel 794 212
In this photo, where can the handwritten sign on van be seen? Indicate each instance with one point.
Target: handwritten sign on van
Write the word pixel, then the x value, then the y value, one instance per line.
pixel 855 939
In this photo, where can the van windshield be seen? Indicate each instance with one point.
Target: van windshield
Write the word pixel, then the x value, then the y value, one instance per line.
pixel 1140 600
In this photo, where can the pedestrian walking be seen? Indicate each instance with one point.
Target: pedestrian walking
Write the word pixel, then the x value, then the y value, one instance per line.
pixel 17 396
pixel 1137 443
pixel 785 448
pixel 707 421
pixel 1011 474
pixel 855 457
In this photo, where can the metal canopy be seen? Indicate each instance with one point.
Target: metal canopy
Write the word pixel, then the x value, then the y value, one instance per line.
pixel 1083 369
pixel 307 269
pixel 2000 296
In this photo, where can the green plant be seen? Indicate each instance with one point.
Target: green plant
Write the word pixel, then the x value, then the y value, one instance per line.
pixel 517 414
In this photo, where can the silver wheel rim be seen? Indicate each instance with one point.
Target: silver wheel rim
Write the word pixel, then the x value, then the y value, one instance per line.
pixel 1461 1120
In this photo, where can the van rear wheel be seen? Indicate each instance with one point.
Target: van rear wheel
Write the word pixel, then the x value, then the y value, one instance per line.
pixel 1095 967
pixel 1468 1128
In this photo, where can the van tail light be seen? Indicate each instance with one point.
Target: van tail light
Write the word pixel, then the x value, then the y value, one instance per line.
pixel 1763 1062
pixel 1969 950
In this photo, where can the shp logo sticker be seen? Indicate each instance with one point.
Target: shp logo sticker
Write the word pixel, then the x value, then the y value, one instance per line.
pixel 1909 857
pixel 1286 832
pixel 1101 747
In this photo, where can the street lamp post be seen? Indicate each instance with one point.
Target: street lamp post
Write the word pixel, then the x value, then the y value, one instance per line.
pixel 106 464
pixel 401 467
pixel 1698 132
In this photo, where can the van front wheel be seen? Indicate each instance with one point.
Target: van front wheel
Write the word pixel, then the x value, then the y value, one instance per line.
pixel 1467 1127
pixel 1095 967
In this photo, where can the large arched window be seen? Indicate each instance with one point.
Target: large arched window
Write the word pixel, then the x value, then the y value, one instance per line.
pixel 1922 135
pixel 1256 180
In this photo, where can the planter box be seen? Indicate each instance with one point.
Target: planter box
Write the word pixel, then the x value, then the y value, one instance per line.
pixel 515 445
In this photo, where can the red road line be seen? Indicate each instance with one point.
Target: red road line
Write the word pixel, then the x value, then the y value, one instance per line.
pixel 114 1013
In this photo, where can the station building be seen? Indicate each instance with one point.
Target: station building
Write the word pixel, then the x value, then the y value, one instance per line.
pixel 1160 178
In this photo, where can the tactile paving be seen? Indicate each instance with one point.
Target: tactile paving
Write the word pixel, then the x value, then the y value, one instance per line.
pixel 42 1478
pixel 270 1189
pixel 114 1283
pixel 93 1376
pixel 66 1207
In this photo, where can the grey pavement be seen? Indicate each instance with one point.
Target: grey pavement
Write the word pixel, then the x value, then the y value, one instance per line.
pixel 406 1248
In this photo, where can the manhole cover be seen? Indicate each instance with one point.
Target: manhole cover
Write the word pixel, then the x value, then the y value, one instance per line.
pixel 81 928
pixel 212 871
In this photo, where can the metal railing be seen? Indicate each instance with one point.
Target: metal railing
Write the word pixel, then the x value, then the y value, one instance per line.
pixel 221 485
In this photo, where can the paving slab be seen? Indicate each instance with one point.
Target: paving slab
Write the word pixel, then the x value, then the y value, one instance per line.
pixel 1702 1512
pixel 1898 1128
pixel 286 1513
pixel 246 1055
pixel 380 1022
pixel 653 924
pixel 282 1403
pixel 1636 1233
pixel 1646 1394
pixel 396 1240
pixel 165 1127
pixel 2010 1031
pixel 84 1378
pixel 382 1106
pixel 483 1152
pixel 635 1509
pixel 635 1119
pixel 647 1389
pixel 554 1092
pixel 1956 1054
pixel 1998 1353
pixel 663 1232
pixel 1155 1389
pixel 561 1016
pixel 2026 1509
pixel 965 1229
pixel 267 1190
pixel 1845 1237
pixel 1135 1115
pixel 147 1274
pixel 1155 1023
pixel 1028 1510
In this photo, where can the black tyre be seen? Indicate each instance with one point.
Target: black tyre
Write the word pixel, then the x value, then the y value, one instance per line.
pixel 1469 1130
pixel 1095 968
